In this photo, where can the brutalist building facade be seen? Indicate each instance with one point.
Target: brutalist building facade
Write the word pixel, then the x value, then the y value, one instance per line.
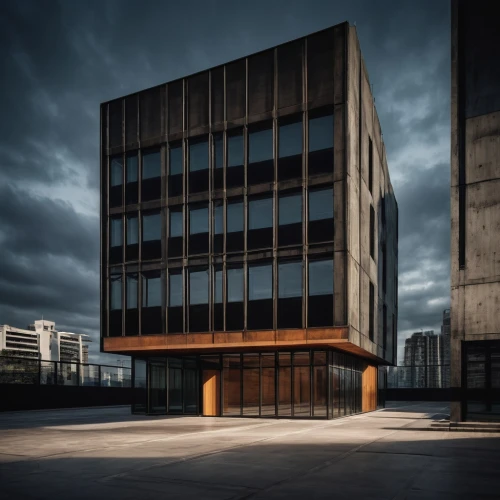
pixel 249 236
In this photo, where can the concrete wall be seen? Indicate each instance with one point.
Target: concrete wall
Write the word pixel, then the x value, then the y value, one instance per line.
pixel 362 127
pixel 475 181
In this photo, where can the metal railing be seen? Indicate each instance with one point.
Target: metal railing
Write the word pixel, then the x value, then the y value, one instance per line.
pixel 19 370
pixel 418 377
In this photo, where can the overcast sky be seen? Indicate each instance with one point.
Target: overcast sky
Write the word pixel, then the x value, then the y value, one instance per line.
pixel 60 60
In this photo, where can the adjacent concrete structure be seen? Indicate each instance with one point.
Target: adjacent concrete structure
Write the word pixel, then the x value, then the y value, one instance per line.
pixel 475 210
pixel 249 235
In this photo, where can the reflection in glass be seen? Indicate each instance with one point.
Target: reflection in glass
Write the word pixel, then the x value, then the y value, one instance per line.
pixel 235 217
pixel 132 168
pixel 289 280
pixel 175 290
pixel 132 291
pixel 321 277
pixel 198 287
pixel 198 156
pixel 175 223
pixel 176 160
pixel 235 150
pixel 260 282
pixel 218 151
pixel 198 220
pixel 218 287
pixel 116 235
pixel 260 213
pixel 260 146
pixel 132 230
pixel 321 133
pixel 290 209
pixel 235 285
pixel 290 139
pixel 321 204
pixel 116 171
pixel 116 293
pixel 218 218
pixel 151 227
pixel 151 289
pixel 151 164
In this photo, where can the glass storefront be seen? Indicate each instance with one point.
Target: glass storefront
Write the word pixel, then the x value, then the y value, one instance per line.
pixel 298 384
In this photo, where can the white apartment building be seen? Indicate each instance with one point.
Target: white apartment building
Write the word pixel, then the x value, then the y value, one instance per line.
pixel 42 341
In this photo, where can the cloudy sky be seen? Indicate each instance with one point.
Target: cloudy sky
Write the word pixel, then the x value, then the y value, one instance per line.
pixel 61 59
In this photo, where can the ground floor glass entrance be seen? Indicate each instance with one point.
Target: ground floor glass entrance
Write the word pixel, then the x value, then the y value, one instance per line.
pixel 293 384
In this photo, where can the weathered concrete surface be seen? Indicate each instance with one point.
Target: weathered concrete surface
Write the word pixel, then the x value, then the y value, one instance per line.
pixel 107 453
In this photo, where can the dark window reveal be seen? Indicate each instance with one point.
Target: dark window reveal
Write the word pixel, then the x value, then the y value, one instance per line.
pixel 320 300
pixel 151 175
pixel 116 240
pixel 132 248
pixel 116 182
pixel 198 300
pixel 175 302
pixel 290 150
pixel 218 161
pixel 290 219
pixel 371 324
pixel 260 223
pixel 235 299
pixel 260 297
pixel 372 232
pixel 260 156
pixel 235 173
pixel 151 235
pixel 320 143
pixel 175 170
pixel 175 235
pixel 320 226
pixel 115 305
pixel 198 230
pixel 198 166
pixel 132 305
pixel 370 165
pixel 132 179
pixel 235 227
pixel 218 227
pixel 290 295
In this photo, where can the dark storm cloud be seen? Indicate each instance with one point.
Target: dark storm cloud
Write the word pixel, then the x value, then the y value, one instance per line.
pixel 61 59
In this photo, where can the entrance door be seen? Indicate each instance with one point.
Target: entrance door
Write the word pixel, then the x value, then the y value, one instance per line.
pixel 211 393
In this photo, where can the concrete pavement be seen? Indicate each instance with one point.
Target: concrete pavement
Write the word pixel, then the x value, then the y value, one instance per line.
pixel 108 453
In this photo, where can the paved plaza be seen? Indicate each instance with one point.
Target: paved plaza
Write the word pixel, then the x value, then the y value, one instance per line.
pixel 108 453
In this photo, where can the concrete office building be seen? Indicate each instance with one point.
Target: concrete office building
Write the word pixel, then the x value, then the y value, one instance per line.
pixel 249 236
pixel 41 340
pixel 475 211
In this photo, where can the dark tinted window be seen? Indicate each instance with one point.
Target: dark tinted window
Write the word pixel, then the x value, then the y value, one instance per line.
pixel 198 287
pixel 116 293
pixel 260 145
pixel 290 209
pixel 235 217
pixel 372 232
pixel 321 277
pixel 321 204
pixel 260 213
pixel 175 223
pixel 116 236
pixel 151 289
pixel 235 285
pixel 198 156
pixel 218 287
pixel 235 150
pixel 116 171
pixel 198 220
pixel 289 280
pixel 132 229
pixel 176 160
pixel 175 290
pixel 132 291
pixel 320 133
pixel 151 164
pixel 290 139
pixel 218 216
pixel 260 282
pixel 132 168
pixel 151 227
pixel 218 151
